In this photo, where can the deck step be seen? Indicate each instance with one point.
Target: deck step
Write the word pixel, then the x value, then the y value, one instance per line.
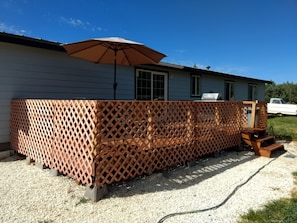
pixel 263 139
pixel 266 151
pixel 273 147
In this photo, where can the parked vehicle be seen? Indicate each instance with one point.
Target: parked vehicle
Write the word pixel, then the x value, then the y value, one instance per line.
pixel 279 107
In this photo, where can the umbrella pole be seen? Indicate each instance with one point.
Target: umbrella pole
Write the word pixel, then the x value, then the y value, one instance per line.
pixel 115 84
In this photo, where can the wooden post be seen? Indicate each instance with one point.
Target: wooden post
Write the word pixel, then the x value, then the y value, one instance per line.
pixel 253 115
pixel 189 125
pixel 149 129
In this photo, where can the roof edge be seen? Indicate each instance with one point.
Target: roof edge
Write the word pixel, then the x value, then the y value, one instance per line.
pixel 50 45
pixel 29 41
pixel 210 72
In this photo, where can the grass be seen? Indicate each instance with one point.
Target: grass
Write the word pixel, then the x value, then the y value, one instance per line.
pixel 283 127
pixel 283 210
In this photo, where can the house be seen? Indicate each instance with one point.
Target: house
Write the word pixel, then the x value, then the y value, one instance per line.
pixel 36 68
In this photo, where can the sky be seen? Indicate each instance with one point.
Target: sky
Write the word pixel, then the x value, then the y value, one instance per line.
pixel 253 38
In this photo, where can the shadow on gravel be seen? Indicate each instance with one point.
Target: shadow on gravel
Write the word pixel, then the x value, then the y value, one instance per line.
pixel 180 177
pixel 14 157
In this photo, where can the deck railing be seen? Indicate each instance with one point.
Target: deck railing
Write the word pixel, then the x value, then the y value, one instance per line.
pixel 101 142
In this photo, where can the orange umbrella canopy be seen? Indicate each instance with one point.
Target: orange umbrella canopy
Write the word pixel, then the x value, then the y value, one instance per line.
pixel 102 50
pixel 114 50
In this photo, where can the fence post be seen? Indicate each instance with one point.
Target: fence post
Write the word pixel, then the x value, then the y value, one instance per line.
pixel 253 118
pixel 149 129
pixel 189 124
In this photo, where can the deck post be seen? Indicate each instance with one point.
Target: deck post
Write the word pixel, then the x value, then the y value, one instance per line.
pixel 95 193
pixel 253 116
pixel 149 129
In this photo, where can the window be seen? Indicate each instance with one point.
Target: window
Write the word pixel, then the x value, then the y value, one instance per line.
pixel 151 85
pixel 229 91
pixel 252 92
pixel 195 85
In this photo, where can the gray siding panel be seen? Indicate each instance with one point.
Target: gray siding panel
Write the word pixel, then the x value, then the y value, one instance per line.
pixel 28 72
pixel 179 86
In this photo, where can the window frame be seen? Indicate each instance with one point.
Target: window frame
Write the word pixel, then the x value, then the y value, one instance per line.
pixel 152 73
pixel 230 98
pixel 197 85
pixel 253 92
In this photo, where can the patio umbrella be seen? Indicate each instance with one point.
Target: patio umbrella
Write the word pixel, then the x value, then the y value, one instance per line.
pixel 114 50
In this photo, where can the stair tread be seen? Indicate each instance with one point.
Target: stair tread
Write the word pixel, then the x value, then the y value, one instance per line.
pixel 273 147
pixel 262 139
pixel 253 130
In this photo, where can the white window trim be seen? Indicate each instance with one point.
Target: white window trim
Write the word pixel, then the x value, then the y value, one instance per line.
pixel 152 73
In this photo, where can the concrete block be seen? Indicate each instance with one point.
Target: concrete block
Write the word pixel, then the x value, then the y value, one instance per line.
pixel 5 154
pixel 28 160
pixel 191 163
pixel 96 193
pixel 39 165
pixel 54 172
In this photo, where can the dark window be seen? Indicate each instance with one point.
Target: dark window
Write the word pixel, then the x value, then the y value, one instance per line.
pixel 229 91
pixel 252 92
pixel 195 85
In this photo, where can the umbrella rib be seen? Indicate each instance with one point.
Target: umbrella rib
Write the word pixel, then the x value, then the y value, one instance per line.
pixel 129 62
pixel 154 61
pixel 76 51
pixel 103 54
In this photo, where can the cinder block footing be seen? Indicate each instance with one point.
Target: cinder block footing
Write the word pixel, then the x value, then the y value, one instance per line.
pixel 5 154
pixel 95 193
pixel 54 172
pixel 28 160
pixel 191 163
pixel 39 165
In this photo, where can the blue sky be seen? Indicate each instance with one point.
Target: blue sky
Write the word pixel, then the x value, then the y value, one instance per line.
pixel 255 38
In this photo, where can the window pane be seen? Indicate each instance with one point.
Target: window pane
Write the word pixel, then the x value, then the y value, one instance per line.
pixel 252 92
pixel 150 85
pixel 158 87
pixel 195 85
pixel 143 82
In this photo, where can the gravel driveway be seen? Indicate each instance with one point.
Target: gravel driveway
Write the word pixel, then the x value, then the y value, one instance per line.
pixel 29 194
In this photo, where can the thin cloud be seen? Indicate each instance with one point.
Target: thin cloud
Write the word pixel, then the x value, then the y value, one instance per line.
pixel 12 29
pixel 77 23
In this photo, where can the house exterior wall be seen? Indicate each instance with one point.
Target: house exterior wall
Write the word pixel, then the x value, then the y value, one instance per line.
pixel 28 72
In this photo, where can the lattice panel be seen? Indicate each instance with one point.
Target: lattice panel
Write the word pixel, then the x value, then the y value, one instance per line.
pixel 57 133
pixel 73 139
pixel 109 141
pixel 32 128
pixel 262 115
pixel 138 137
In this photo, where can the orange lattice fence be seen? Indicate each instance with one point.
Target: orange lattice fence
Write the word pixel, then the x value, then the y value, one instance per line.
pixel 57 133
pixel 254 114
pixel 138 137
pixel 108 141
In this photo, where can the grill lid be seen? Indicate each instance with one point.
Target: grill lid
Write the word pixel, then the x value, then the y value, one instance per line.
pixel 210 96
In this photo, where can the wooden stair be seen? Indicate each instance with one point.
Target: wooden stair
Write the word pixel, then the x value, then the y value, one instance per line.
pixel 262 143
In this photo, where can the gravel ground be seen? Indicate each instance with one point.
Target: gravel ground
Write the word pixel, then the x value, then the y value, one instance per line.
pixel 29 194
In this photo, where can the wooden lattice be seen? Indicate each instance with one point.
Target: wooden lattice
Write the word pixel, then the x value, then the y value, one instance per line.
pixel 103 142
pixel 254 114
pixel 140 137
pixel 57 133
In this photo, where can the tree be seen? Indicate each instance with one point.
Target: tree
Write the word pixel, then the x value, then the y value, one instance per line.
pixel 287 91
